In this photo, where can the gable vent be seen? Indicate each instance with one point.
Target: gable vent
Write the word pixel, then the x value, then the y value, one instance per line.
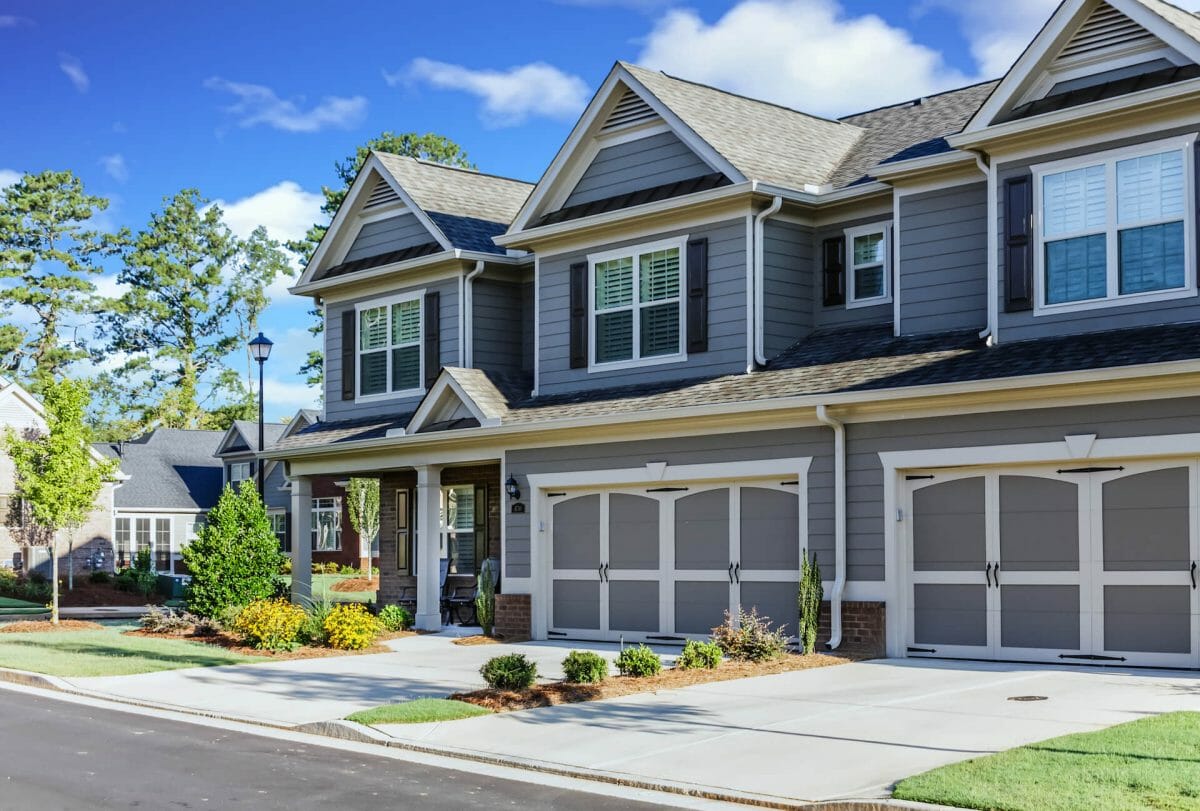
pixel 1105 28
pixel 381 195
pixel 630 110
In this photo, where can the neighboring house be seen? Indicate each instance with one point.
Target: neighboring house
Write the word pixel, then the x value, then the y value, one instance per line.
pixel 92 548
pixel 950 347
pixel 174 479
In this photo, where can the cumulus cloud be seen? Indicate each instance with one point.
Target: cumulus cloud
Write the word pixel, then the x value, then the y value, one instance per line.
pixel 73 68
pixel 806 54
pixel 115 166
pixel 8 177
pixel 258 104
pixel 509 97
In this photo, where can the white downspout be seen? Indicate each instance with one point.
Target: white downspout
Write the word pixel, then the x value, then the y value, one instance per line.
pixel 760 219
pixel 839 525
pixel 749 293
pixel 468 316
pixel 993 265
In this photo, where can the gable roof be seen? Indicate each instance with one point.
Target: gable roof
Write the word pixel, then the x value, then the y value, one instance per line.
pixel 455 191
pixel 247 432
pixel 168 469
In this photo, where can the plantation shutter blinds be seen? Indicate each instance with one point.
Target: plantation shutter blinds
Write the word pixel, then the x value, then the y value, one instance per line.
pixel 406 345
pixel 1018 237
pixel 659 323
pixel 579 315
pixel 433 337
pixel 833 276
pixel 372 350
pixel 697 295
pixel 348 356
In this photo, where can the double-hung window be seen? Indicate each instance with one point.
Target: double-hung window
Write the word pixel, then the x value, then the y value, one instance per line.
pixel 868 265
pixel 1116 227
pixel 327 524
pixel 240 472
pixel 389 347
pixel 637 305
pixel 279 528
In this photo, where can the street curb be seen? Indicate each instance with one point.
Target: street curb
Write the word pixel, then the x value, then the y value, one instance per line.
pixel 360 733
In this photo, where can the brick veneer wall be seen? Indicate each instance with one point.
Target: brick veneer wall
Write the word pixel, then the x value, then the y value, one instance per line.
pixel 863 631
pixel 513 617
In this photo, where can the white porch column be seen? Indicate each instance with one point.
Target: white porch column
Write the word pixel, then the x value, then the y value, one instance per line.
pixel 301 531
pixel 429 586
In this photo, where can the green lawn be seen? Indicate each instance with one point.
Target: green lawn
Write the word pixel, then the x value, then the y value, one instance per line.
pixel 107 653
pixel 418 711
pixel 1150 763
pixel 10 606
pixel 322 586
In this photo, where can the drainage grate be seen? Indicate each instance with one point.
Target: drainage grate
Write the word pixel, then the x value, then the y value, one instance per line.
pixel 1027 698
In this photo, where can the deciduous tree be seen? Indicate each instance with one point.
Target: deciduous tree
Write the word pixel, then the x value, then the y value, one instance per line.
pixel 363 498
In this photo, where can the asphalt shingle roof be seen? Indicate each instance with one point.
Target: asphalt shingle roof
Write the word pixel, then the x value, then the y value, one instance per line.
pixel 469 233
pixel 169 468
pixel 334 433
pixel 249 429
pixel 457 192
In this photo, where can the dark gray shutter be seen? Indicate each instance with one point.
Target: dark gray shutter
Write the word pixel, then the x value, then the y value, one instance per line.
pixel 579 315
pixel 1196 169
pixel 349 361
pixel 1018 244
pixel 833 263
pixel 697 295
pixel 433 337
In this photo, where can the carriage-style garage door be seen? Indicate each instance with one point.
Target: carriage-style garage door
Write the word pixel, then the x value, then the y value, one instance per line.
pixel 1092 564
pixel 666 562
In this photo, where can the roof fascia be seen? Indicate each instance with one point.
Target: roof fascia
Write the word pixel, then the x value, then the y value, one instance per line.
pixel 428 262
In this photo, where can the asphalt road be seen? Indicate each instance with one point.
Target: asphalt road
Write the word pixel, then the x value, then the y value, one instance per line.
pixel 58 755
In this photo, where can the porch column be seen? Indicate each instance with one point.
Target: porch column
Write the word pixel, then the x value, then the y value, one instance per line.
pixel 301 531
pixel 429 586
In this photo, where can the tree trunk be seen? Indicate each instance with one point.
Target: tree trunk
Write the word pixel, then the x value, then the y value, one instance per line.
pixel 71 565
pixel 54 581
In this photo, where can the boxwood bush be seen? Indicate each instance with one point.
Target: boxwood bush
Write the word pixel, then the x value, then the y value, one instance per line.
pixel 700 655
pixel 396 617
pixel 639 662
pixel 585 667
pixel 512 671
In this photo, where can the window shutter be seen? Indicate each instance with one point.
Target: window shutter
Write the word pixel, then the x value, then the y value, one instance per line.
pixel 349 360
pixel 697 295
pixel 433 337
pixel 1018 244
pixel 833 257
pixel 1196 191
pixel 579 315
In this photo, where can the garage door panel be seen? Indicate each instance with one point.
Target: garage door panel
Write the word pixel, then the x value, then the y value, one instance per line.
pixel 1148 619
pixel 1039 524
pixel 1146 521
pixel 950 614
pixel 576 543
pixel 633 605
pixel 770 529
pixel 700 605
pixel 776 601
pixel 702 530
pixel 576 604
pixel 633 535
pixel 1040 617
pixel 949 530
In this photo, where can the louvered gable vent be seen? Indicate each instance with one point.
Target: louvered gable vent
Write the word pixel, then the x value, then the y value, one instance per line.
pixel 1104 29
pixel 381 195
pixel 630 110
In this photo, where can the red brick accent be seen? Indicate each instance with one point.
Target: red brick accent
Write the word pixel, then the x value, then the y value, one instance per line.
pixel 863 631
pixel 513 617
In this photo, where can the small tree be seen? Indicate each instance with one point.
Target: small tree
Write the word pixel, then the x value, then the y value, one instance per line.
pixel 363 495
pixel 57 475
pixel 235 557
pixel 811 593
pixel 485 599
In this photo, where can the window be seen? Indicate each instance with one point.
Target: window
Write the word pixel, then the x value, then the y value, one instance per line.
pixel 868 269
pixel 279 524
pixel 1115 227
pixel 240 472
pixel 121 539
pixel 458 527
pixel 327 524
pixel 637 305
pixel 133 534
pixel 389 347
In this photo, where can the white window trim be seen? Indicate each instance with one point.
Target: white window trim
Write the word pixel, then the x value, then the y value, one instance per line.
pixel 388 301
pixel 172 547
pixel 337 512
pixel 852 301
pixel 1109 159
pixel 249 472
pixel 635 251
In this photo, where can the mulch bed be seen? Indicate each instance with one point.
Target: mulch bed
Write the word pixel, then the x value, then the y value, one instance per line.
pixel 31 626
pixel 356 584
pixel 87 593
pixel 477 639
pixel 234 643
pixel 553 693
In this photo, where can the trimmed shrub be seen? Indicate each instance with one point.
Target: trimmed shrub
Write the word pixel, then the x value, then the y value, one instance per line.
pixel 349 626
pixel 639 662
pixel 228 617
pixel 396 618
pixel 749 637
pixel 204 626
pixel 698 655
pixel 30 590
pixel 512 671
pixel 270 624
pixel 585 667
pixel 285 566
pixel 165 621
pixel 100 576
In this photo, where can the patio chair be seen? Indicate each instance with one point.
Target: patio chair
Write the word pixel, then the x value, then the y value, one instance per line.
pixel 462 599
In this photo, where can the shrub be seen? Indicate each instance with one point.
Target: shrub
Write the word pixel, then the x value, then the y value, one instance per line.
pixel 585 667
pixel 270 624
pixel 699 655
pixel 749 637
pixel 142 562
pixel 37 578
pixel 29 589
pixel 227 619
pixel 638 662
pixel 313 630
pixel 809 601
pixel 235 557
pixel 512 671
pixel 204 626
pixel 100 576
pixel 374 571
pixel 396 618
pixel 485 599
pixel 165 621
pixel 350 570
pixel 350 627
pixel 285 566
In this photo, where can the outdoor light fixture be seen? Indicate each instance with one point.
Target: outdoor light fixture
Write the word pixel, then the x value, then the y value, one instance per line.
pixel 260 350
pixel 510 487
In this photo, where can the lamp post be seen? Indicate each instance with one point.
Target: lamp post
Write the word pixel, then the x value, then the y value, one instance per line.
pixel 260 350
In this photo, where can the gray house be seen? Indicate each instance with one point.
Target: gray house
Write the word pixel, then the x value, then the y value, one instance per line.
pixel 950 347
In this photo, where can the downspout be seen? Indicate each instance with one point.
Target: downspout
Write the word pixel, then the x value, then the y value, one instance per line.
pixel 468 316
pixel 760 219
pixel 993 265
pixel 839 525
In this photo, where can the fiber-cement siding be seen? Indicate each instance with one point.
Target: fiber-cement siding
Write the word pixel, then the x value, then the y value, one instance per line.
pixel 634 165
pixel 384 236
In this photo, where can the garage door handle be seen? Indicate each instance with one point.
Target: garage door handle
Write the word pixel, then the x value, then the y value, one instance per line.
pixel 996 574
pixel 737 572
pixel 600 572
pixel 988 575
pixel 1193 575
pixel 605 572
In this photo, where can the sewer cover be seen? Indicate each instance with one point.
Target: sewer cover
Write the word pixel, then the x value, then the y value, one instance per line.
pixel 1027 698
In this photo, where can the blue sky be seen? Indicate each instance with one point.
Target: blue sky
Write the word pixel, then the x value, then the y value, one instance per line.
pixel 252 102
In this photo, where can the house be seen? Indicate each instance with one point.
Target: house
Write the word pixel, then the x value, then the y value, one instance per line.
pixel 92 545
pixel 172 480
pixel 950 347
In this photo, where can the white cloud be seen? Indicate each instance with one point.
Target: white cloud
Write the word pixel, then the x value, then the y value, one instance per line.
pixel 284 397
pixel 116 167
pixel 108 286
pixel 73 68
pixel 510 96
pixel 8 177
pixel 258 104
pixel 13 21
pixel 806 54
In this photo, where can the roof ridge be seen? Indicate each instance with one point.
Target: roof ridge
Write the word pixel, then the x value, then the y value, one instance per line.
pixel 467 169
pixel 914 99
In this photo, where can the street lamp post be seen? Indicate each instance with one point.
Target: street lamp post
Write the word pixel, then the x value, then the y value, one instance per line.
pixel 260 350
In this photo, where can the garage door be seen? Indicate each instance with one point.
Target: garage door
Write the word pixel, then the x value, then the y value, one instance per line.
pixel 665 563
pixel 1092 564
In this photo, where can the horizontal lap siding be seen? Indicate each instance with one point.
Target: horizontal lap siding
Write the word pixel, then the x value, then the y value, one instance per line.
pixel 726 316
pixel 498 325
pixel 642 164
pixel 384 236
pixel 839 315
pixel 804 442
pixel 943 260
pixel 338 409
pixel 788 274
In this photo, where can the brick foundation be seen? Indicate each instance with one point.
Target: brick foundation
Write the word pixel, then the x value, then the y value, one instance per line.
pixel 513 617
pixel 863 631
